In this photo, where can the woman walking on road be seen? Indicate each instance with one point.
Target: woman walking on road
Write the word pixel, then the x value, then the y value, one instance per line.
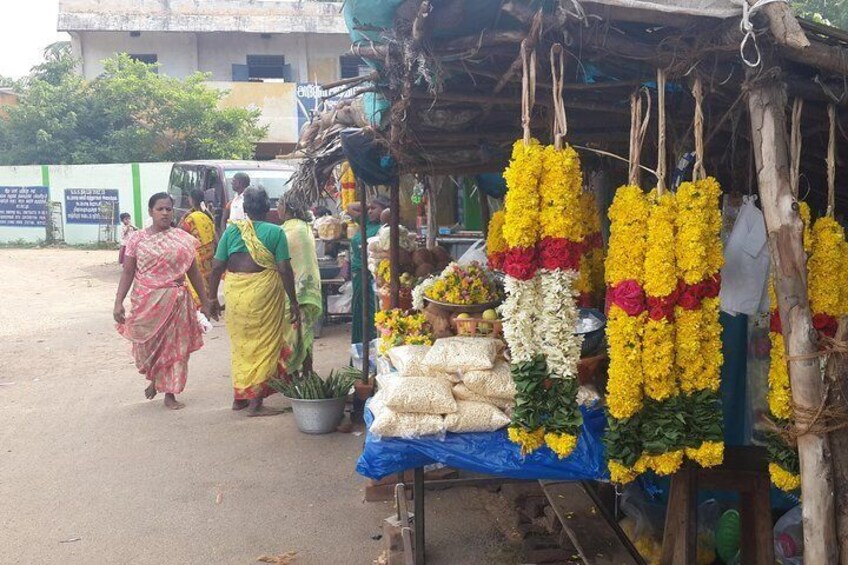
pixel 255 255
pixel 307 281
pixel 162 324
pixel 200 224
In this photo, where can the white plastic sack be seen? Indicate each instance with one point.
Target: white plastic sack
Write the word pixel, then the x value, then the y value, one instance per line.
pixel 422 395
pixel 475 417
pixel 496 383
pixel 389 423
pixel 475 254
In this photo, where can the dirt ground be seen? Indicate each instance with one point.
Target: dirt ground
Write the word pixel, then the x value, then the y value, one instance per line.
pixel 91 472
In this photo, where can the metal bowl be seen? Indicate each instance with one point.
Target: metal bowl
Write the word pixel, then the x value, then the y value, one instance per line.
pixel 592 326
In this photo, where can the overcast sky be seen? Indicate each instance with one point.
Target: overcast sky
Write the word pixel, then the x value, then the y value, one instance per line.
pixel 24 33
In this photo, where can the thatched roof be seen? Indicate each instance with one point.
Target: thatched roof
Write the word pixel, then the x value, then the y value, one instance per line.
pixel 449 70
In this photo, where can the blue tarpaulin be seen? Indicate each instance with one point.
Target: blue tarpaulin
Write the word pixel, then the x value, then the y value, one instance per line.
pixel 491 453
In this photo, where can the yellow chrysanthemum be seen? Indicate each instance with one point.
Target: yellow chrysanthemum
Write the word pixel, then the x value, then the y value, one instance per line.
pixel 688 358
pixel 589 212
pixel 825 266
pixel 711 346
pixel 559 192
pixel 693 227
pixel 779 395
pixel 663 464
pixel 708 454
pixel 528 440
pixel 628 215
pixel 624 387
pixel 711 191
pixel 783 479
pixel 619 473
pixel 660 271
pixel 495 242
pixel 561 444
pixel 807 218
pixel 583 283
pixel 658 359
pixel 521 203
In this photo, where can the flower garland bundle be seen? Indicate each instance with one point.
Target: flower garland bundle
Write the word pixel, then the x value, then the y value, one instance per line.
pixel 698 339
pixel 624 270
pixel 495 243
pixel 826 275
pixel 591 279
pixel 521 209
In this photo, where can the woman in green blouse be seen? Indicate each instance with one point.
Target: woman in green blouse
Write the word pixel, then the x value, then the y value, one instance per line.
pixel 372 226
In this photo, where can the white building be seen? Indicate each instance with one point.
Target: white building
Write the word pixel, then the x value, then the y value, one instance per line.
pixel 237 42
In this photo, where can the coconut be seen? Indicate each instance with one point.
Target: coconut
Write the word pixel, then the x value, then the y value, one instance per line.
pixel 405 257
pixel 441 255
pixel 422 257
pixel 424 270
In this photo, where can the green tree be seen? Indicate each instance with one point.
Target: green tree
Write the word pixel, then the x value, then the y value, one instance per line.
pixel 128 114
pixel 831 12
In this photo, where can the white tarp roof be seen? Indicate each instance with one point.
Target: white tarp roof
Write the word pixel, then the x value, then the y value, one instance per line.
pixel 709 8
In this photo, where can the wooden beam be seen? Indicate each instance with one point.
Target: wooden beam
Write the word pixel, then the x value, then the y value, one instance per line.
pixel 785 29
pixel 767 108
pixel 836 376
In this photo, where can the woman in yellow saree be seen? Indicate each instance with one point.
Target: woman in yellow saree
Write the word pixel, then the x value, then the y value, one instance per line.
pixel 255 255
pixel 200 224
pixel 307 280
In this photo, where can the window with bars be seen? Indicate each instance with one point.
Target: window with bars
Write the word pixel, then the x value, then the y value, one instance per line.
pixel 352 66
pixel 266 66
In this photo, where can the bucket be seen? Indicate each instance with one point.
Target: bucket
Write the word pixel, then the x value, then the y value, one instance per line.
pixel 318 416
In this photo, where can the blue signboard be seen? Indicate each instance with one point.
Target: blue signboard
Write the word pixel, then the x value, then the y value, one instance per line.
pixel 23 206
pixel 311 96
pixel 85 205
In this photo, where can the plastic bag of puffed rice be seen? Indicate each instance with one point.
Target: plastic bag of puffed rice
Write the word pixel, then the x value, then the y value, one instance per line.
pixel 409 362
pixel 423 395
pixel 462 392
pixel 462 354
pixel 496 383
pixel 406 425
pixel 473 416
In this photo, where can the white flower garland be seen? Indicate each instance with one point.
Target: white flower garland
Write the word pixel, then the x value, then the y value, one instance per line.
pixel 419 291
pixel 558 316
pixel 518 313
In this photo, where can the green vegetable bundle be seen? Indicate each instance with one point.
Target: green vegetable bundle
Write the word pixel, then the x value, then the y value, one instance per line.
pixel 309 386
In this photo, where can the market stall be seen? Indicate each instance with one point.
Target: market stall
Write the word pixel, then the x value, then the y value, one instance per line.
pixel 645 127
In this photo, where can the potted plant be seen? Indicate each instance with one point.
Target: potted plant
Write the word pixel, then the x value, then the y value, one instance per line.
pixel 317 404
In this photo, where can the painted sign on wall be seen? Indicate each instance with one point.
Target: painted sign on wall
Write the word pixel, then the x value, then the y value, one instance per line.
pixel 23 206
pixel 86 205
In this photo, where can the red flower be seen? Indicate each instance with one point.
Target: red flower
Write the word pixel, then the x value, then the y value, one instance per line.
pixel 710 287
pixel 628 296
pixel 774 323
pixel 659 308
pixel 825 324
pixel 520 263
pixel 496 260
pixel 560 253
pixel 690 296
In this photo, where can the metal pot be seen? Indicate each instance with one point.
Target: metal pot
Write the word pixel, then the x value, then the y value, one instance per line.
pixel 318 416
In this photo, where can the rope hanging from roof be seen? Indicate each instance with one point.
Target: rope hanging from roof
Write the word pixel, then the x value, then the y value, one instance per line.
pixel 661 156
pixel 638 130
pixel 528 87
pixel 560 126
pixel 831 160
pixel 698 171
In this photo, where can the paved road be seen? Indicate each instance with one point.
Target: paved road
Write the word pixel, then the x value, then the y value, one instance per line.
pixel 83 456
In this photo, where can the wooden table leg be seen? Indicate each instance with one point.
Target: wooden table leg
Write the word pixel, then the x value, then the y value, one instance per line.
pixel 418 501
pixel 757 537
pixel 681 522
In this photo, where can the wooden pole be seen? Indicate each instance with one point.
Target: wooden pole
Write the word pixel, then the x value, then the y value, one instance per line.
pixel 365 294
pixel 836 376
pixel 432 186
pixel 767 107
pixel 394 242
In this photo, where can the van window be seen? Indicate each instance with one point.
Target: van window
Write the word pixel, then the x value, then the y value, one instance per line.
pixel 183 180
pixel 275 182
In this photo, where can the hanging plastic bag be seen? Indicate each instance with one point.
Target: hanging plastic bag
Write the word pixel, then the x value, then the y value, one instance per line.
pixel 475 254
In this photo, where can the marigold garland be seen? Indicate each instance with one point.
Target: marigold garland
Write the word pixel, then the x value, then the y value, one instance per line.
pixel 826 268
pixel 662 464
pixel 559 192
pixel 495 243
pixel 624 386
pixel 628 216
pixel 783 479
pixel 522 201
pixel 528 440
pixel 708 454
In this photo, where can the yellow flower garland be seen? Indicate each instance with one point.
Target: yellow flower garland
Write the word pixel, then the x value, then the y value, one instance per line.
pixel 561 444
pixel 783 479
pixel 779 394
pixel 495 242
pixel 522 203
pixel 624 387
pixel 807 218
pixel 559 192
pixel 663 464
pixel 628 215
pixel 658 359
pixel 693 226
pixel 708 454
pixel 619 473
pixel 711 347
pixel 529 441
pixel 826 268
pixel 660 264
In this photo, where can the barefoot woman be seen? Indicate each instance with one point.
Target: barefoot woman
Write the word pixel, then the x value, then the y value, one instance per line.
pixel 255 255
pixel 162 324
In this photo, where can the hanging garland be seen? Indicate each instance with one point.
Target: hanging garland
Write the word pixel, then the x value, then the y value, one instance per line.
pixel 590 281
pixel 495 243
pixel 543 231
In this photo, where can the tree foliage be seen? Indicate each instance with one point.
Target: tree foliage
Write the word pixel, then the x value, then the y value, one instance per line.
pixel 831 12
pixel 128 114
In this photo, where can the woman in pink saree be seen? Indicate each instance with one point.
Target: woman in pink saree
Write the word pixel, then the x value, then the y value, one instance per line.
pixel 162 324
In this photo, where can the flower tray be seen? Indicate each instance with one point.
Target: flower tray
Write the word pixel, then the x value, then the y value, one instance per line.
pixel 463 308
